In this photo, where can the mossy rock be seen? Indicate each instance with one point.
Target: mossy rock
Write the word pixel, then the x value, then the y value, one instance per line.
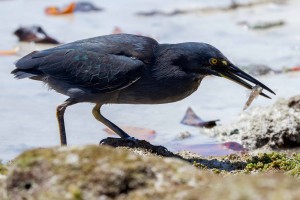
pixel 3 193
pixel 244 164
pixel 93 172
pixel 3 168
pixel 275 161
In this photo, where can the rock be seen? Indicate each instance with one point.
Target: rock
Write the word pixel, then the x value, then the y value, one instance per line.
pixel 3 193
pixel 262 25
pixel 276 126
pixel 183 135
pixel 141 146
pixel 251 187
pixel 161 13
pixel 266 25
pixel 94 173
pixel 294 103
pixel 3 169
pixel 85 6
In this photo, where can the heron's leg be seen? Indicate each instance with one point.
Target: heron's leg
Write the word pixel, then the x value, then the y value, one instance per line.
pixel 112 126
pixel 60 111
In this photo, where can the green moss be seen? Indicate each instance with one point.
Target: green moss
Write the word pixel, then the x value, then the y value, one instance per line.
pixel 275 161
pixel 216 171
pixel 232 157
pixel 245 163
pixel 30 158
pixel 199 165
pixel 77 194
pixel 3 169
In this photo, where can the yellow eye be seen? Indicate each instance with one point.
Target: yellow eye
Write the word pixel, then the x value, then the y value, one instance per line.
pixel 213 61
pixel 225 62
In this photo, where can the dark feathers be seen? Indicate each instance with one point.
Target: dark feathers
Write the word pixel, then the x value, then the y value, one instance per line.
pixel 104 63
pixel 24 73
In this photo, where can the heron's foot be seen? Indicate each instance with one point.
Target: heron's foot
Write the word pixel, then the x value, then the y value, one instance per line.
pixel 133 139
pixel 132 142
pixel 104 141
pixel 110 140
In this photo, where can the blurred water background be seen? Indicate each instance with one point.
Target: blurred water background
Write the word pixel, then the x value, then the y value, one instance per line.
pixel 27 108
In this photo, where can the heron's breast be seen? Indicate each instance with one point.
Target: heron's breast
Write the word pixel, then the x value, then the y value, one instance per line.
pixel 157 92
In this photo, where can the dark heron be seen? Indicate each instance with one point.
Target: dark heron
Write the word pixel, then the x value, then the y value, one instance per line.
pixel 126 69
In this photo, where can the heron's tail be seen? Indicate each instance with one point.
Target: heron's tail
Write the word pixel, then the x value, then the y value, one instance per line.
pixel 26 73
pixel 27 67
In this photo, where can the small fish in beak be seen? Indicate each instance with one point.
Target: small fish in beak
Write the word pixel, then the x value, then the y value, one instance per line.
pixel 253 95
pixel 233 73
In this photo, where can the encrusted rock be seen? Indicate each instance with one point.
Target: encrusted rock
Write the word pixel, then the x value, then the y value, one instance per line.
pixel 294 102
pixel 276 126
pixel 93 172
pixel 3 194
pixel 138 145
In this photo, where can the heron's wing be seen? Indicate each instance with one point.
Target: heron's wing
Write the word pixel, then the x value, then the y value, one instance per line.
pixel 94 71
pixel 97 66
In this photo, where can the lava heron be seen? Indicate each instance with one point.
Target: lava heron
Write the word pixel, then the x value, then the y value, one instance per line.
pixel 126 69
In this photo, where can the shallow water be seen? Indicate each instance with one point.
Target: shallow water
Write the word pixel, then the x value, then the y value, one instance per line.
pixel 27 108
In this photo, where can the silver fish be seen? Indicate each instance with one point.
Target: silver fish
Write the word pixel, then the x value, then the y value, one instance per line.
pixel 256 90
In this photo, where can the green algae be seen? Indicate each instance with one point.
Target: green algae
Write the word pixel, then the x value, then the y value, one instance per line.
pixel 275 161
pixel 245 164
pixel 199 165
pixel 76 194
pixel 216 171
pixel 3 168
pixel 30 158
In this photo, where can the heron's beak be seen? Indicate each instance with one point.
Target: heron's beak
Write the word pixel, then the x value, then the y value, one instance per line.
pixel 233 73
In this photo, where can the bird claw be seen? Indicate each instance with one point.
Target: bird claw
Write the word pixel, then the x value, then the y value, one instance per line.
pixel 131 139
pixel 103 141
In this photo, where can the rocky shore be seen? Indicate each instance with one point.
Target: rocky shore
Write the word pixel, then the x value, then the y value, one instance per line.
pixel 93 172
pixel 273 127
pixel 126 169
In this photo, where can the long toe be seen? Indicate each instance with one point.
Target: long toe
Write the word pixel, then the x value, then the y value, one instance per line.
pixel 143 145
pixel 132 139
pixel 115 142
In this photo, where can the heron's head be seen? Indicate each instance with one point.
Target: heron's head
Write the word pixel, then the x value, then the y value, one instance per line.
pixel 205 59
